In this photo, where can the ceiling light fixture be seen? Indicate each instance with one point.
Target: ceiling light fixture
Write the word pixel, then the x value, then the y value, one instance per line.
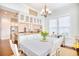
pixel 45 11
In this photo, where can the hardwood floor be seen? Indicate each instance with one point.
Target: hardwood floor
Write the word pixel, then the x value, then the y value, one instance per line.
pixel 67 52
pixel 5 49
pixel 72 48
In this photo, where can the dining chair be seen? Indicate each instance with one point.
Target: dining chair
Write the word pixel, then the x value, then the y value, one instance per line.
pixel 14 48
pixel 56 48
pixel 16 51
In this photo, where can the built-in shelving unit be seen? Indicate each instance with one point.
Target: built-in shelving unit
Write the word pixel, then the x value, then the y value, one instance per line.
pixel 22 22
pixel 31 23
pixel 9 22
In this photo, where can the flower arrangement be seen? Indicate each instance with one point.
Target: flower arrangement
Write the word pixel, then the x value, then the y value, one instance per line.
pixel 44 34
pixel 76 45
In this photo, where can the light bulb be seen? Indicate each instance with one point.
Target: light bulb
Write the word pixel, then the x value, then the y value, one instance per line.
pixel 47 9
pixel 42 10
pixel 49 12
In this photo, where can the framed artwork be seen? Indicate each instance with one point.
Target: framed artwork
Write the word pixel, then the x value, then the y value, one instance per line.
pixel 32 12
pixel 14 20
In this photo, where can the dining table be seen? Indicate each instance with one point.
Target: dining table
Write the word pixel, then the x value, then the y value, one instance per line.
pixel 37 47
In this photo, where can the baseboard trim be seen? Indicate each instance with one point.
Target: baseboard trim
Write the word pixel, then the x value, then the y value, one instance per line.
pixel 68 47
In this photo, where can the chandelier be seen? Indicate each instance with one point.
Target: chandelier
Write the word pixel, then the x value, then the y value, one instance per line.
pixel 45 11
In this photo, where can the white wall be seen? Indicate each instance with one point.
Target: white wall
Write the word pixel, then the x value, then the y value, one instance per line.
pixel 15 6
pixel 5 25
pixel 0 27
pixel 5 28
pixel 72 11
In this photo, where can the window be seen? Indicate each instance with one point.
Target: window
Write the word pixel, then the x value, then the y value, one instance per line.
pixel 60 25
pixel 53 25
pixel 64 25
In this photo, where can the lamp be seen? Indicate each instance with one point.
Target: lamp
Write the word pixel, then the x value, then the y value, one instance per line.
pixel 45 11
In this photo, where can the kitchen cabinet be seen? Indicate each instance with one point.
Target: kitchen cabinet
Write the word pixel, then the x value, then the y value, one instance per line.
pixel 31 23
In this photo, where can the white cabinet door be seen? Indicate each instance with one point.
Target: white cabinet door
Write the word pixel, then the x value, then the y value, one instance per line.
pixel 5 28
pixel 21 18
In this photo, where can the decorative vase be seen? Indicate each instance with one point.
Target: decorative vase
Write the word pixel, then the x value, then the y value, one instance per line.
pixel 44 35
pixel 44 39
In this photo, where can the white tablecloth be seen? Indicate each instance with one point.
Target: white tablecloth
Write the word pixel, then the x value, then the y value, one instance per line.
pixel 35 47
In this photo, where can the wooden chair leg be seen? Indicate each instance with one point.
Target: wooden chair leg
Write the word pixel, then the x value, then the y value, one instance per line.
pixel 58 52
pixel 21 52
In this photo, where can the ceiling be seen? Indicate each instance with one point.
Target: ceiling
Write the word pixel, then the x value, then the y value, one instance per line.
pixel 51 6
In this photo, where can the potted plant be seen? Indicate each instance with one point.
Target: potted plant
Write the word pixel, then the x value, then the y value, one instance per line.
pixel 44 35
